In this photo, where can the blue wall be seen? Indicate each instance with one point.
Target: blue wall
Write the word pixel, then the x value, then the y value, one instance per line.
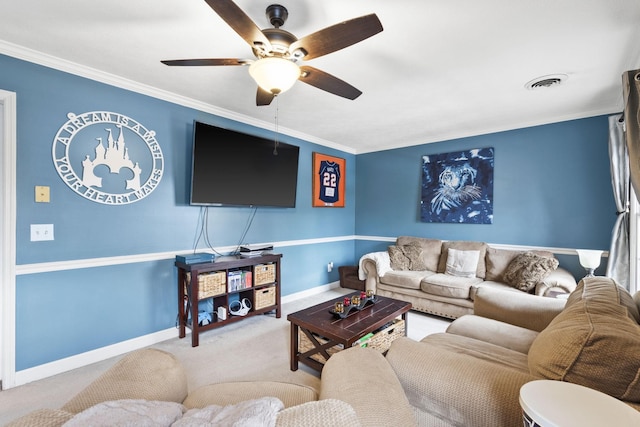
pixel 551 189
pixel 64 313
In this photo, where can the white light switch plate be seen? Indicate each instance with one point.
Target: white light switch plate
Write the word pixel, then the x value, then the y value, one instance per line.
pixel 40 232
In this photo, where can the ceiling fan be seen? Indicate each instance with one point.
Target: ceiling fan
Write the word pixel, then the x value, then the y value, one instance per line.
pixel 278 52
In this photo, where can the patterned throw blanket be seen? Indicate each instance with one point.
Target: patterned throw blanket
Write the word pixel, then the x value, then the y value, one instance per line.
pixel 250 413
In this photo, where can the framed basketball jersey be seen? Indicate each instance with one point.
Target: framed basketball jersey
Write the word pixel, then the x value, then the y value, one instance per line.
pixel 329 175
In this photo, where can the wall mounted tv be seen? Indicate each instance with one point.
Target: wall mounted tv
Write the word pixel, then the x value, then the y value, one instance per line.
pixel 231 168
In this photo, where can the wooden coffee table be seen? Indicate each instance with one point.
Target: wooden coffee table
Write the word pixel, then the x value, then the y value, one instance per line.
pixel 319 321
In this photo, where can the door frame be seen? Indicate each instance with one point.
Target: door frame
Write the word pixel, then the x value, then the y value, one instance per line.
pixel 8 240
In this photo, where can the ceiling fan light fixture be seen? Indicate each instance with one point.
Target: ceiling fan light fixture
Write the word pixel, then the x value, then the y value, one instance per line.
pixel 275 75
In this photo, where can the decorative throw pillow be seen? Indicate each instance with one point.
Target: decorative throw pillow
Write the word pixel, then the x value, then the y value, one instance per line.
pixel 464 245
pixel 407 257
pixel 398 260
pixel 431 250
pixel 414 255
pixel 462 263
pixel 527 269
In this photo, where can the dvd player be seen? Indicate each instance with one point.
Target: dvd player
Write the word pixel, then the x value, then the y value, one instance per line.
pixel 256 248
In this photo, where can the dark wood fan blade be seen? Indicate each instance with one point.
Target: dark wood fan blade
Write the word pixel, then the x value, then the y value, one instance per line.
pixel 240 22
pixel 263 97
pixel 205 62
pixel 338 36
pixel 327 82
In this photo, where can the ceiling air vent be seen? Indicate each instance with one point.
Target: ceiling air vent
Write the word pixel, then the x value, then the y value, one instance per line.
pixel 546 81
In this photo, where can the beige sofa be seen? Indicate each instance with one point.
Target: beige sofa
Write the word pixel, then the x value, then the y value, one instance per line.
pixel 149 381
pixel 415 270
pixel 471 375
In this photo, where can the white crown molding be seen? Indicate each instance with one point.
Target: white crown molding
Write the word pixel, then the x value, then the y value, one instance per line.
pixel 455 134
pixel 36 57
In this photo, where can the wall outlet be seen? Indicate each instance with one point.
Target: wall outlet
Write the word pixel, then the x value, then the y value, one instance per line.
pixel 330 267
pixel 40 232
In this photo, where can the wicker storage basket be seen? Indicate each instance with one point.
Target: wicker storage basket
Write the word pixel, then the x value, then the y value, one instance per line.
pixel 263 274
pixel 211 284
pixel 264 297
pixel 304 344
pixel 380 341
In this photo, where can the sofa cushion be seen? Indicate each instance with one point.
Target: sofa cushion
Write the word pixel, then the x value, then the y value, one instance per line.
pixel 479 350
pixel 455 385
pixel 497 261
pixel 527 269
pixel 449 286
pixel 493 331
pixel 518 308
pixel 431 249
pixel 462 263
pixel 328 412
pixel 42 417
pixel 594 341
pixel 363 378
pixel 464 246
pixel 405 279
pixel 148 373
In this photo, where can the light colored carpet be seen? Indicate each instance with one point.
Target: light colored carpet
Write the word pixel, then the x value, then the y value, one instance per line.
pixel 255 349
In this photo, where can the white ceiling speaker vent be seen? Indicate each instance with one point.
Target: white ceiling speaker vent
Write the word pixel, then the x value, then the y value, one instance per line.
pixel 546 81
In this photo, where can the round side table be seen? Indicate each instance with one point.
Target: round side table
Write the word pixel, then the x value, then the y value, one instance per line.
pixel 547 403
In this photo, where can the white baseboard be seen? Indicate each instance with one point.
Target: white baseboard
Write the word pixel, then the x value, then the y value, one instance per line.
pixel 310 292
pixel 83 359
pixel 74 362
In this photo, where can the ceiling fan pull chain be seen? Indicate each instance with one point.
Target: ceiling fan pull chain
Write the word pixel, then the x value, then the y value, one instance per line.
pixel 275 142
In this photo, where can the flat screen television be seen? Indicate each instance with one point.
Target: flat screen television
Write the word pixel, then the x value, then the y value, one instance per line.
pixel 232 168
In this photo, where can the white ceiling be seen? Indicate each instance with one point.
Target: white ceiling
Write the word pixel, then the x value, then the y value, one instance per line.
pixel 441 69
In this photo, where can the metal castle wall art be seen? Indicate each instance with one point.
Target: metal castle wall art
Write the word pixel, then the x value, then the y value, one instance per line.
pixel 458 187
pixel 107 157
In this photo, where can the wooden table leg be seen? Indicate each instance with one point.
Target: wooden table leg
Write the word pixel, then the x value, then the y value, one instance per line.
pixel 182 306
pixel 193 298
pixel 406 323
pixel 294 347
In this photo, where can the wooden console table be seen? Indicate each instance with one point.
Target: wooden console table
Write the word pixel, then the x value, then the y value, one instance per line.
pixel 264 295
